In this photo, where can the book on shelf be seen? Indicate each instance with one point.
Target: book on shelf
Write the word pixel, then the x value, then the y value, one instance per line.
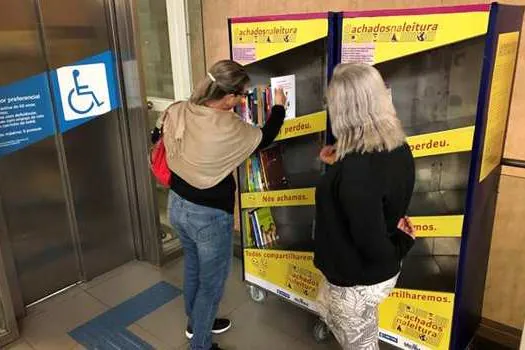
pixel 273 168
pixel 287 83
pixel 261 228
pixel 248 231
pixel 264 170
pixel 255 109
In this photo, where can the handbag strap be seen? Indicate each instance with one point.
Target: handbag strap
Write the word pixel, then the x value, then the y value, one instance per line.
pixel 162 118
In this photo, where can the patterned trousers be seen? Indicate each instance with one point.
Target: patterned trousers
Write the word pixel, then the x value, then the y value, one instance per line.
pixel 351 312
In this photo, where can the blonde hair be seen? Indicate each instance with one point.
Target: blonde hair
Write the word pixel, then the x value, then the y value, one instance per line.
pixel 224 77
pixel 362 115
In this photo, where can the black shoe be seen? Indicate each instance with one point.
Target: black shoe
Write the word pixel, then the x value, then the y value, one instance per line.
pixel 220 326
pixel 216 347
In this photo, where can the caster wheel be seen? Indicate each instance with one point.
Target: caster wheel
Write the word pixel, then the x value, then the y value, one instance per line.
pixel 321 332
pixel 258 295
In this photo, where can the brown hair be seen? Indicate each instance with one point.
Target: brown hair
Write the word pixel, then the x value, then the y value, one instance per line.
pixel 224 77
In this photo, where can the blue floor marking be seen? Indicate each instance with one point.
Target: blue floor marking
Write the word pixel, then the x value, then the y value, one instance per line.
pixel 109 330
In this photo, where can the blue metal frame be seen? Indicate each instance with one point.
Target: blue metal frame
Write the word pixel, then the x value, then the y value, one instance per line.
pixel 481 197
pixel 334 56
pixel 474 166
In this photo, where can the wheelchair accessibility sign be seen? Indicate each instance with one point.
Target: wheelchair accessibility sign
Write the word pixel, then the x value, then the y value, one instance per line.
pixel 84 90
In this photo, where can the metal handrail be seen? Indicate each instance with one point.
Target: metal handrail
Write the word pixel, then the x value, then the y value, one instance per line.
pixel 513 162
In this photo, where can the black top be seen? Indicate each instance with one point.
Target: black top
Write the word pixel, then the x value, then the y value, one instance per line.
pixel 222 195
pixel 359 202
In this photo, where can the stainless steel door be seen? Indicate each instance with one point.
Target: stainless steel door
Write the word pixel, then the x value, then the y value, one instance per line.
pixel 94 152
pixel 8 325
pixel 34 211
pixel 65 201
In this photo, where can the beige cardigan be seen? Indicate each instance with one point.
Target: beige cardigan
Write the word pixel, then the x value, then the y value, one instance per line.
pixel 204 145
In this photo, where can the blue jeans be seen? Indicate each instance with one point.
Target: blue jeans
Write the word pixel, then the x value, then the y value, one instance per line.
pixel 206 235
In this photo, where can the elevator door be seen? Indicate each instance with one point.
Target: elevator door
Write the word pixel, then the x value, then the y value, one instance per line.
pixel 76 30
pixel 34 207
pixel 64 196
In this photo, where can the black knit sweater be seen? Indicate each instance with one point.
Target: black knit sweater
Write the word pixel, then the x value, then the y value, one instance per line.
pixel 359 202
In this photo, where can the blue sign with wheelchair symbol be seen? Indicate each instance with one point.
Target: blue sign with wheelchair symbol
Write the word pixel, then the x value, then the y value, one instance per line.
pixel 85 90
pixel 82 90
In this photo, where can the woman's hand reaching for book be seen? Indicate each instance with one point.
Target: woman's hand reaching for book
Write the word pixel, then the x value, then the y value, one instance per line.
pixel 328 154
pixel 279 98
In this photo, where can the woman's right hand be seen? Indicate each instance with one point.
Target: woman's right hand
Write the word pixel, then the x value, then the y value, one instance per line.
pixel 406 226
pixel 328 154
pixel 279 98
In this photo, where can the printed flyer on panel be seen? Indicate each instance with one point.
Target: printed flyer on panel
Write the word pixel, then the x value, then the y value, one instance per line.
pixel 407 317
pixel 415 319
pixel 289 274
pixel 383 38
pixel 254 39
pixel 499 101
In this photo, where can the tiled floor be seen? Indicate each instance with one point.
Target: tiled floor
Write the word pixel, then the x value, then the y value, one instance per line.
pixel 274 325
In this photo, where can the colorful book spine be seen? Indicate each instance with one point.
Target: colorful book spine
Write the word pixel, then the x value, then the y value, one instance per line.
pixel 268 102
pixel 265 103
pixel 264 175
pixel 261 103
pixel 248 235
pixel 251 174
pixel 255 228
pixel 255 102
pixel 260 231
pixel 258 170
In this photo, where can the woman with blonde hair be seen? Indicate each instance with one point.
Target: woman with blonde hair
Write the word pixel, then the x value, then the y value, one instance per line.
pixel 205 142
pixel 362 233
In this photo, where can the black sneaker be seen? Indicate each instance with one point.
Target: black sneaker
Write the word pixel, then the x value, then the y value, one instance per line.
pixel 216 347
pixel 220 326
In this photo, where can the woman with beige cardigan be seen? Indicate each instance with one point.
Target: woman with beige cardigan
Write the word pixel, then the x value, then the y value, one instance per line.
pixel 205 142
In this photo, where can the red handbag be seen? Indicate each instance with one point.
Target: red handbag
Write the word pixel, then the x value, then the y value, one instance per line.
pixel 158 163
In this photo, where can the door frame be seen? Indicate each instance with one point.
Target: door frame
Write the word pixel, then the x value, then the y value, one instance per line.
pixel 11 332
pixel 178 34
pixel 135 100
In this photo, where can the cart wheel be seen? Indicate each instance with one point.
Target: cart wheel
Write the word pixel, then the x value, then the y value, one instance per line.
pixel 321 332
pixel 257 294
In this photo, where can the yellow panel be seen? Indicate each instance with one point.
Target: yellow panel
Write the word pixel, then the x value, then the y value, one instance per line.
pixel 499 102
pixel 378 39
pixel 438 226
pixel 289 271
pixel 285 198
pixel 442 142
pixel 417 317
pixel 255 41
pixel 300 126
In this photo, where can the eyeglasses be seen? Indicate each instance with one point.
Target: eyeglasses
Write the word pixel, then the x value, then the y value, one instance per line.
pixel 242 94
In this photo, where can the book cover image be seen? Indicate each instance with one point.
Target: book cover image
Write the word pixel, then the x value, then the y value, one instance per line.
pixel 260 228
pixel 287 83
pixel 267 225
pixel 273 168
